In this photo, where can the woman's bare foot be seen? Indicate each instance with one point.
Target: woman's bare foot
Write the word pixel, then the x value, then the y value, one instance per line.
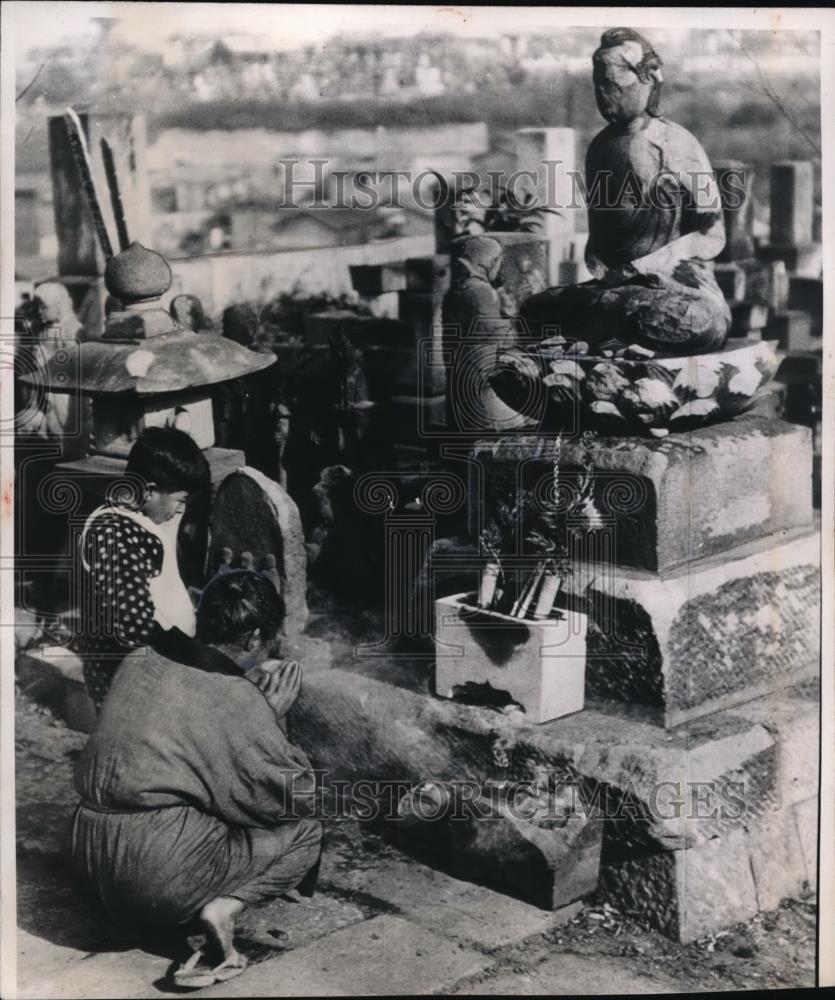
pixel 218 918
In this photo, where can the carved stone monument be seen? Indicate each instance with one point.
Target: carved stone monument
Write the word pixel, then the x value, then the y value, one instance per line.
pixel 655 220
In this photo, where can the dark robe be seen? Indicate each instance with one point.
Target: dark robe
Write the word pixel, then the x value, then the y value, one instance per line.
pixel 189 790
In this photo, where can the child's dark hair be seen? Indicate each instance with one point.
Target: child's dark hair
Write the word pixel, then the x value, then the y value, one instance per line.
pixel 170 458
pixel 235 604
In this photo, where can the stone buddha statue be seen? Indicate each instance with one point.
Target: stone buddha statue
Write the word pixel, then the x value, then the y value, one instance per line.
pixel 655 221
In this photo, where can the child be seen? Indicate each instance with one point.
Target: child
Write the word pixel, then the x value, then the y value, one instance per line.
pixel 131 590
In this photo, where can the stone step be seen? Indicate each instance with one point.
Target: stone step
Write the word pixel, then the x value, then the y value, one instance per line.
pixel 666 502
pixel 385 956
pixel 661 792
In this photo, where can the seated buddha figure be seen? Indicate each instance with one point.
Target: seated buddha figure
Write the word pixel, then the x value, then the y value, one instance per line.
pixel 654 217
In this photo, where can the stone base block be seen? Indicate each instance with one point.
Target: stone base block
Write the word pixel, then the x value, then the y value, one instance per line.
pixel 548 866
pixel 794 331
pixel 540 665
pixel 714 634
pixel 666 501
pixel 689 894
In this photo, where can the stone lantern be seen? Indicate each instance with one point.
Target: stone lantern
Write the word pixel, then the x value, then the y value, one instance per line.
pixel 146 371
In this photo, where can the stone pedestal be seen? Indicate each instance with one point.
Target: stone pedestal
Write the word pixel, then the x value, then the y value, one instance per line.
pixel 672 500
pixel 716 633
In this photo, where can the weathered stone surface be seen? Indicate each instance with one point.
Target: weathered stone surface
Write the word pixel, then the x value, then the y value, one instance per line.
pixel 422 311
pixel 794 331
pixel 672 500
pixel 525 263
pixel 735 180
pixel 385 956
pixel 792 202
pixel 774 849
pixel 252 513
pixel 436 900
pixel 548 866
pixel 538 664
pixel 686 894
pixel 806 821
pixel 717 633
pixel 355 725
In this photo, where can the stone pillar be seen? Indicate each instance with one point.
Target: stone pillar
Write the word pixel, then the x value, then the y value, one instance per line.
pixel 550 155
pixel 736 188
pixel 792 202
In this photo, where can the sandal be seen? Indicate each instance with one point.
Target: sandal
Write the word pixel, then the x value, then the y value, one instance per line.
pixel 194 975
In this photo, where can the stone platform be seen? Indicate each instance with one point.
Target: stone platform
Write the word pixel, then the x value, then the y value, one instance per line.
pixel 673 499
pixel 681 809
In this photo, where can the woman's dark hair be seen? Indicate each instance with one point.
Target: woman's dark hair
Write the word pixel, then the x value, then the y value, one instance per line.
pixel 235 604
pixel 170 458
pixel 650 60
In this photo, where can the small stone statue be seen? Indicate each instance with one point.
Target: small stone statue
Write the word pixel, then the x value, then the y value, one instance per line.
pixel 655 221
pixel 270 571
pixel 187 312
pixel 476 317
pixel 226 557
pixel 57 328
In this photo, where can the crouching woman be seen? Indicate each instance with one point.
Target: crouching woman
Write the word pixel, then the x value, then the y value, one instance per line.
pixel 193 801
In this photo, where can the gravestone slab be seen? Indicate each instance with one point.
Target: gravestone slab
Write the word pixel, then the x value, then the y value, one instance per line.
pixel 670 500
pixel 252 513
